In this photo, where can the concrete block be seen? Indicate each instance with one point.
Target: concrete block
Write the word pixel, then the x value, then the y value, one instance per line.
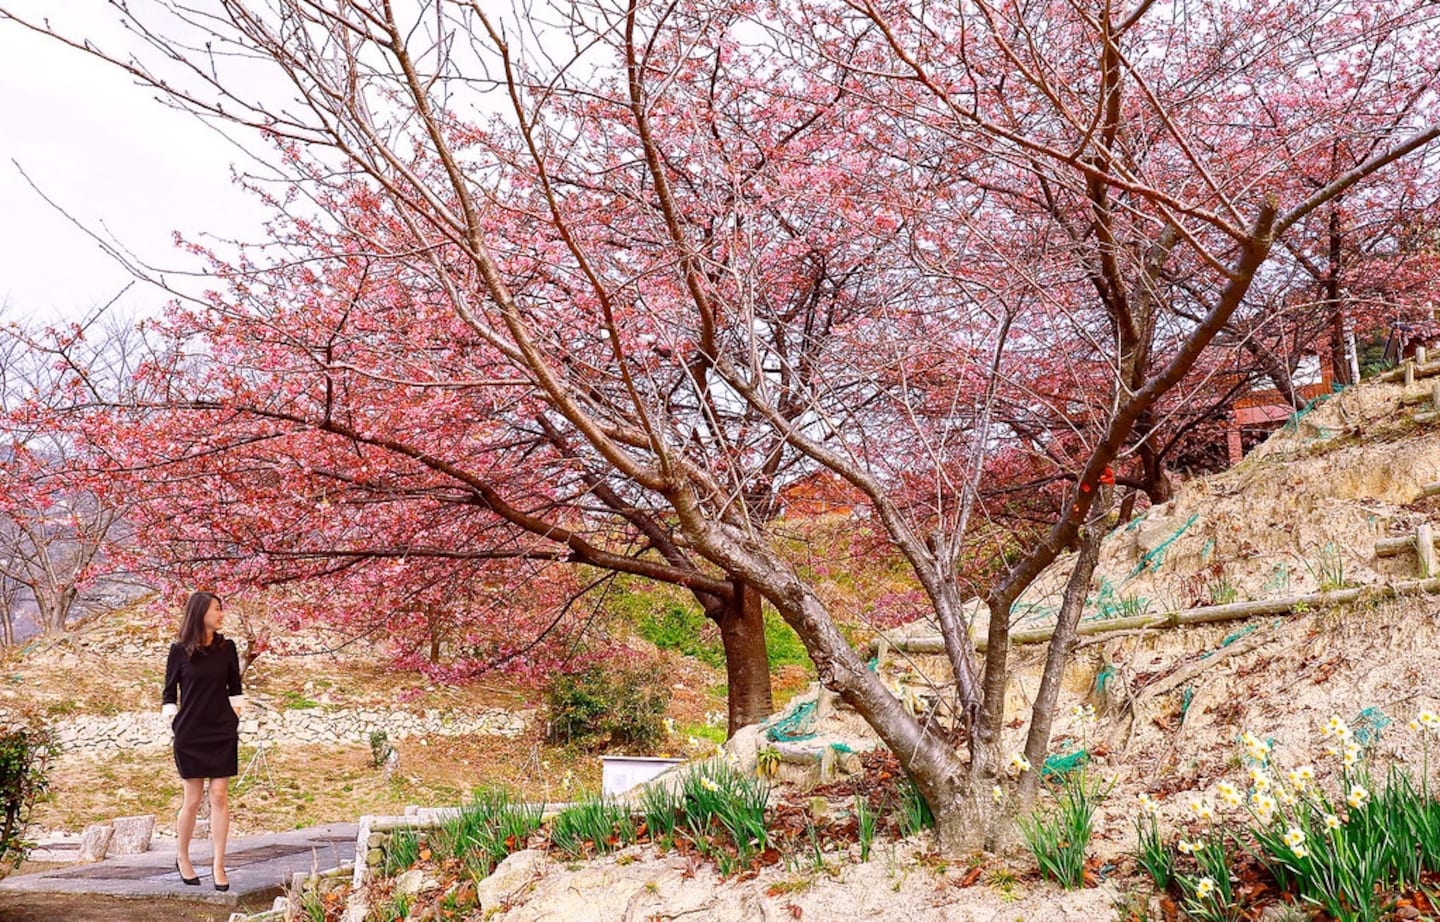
pixel 132 834
pixel 95 842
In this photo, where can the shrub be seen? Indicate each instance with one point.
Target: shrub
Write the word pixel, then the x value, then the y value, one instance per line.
pixel 605 706
pixel 380 748
pixel 24 766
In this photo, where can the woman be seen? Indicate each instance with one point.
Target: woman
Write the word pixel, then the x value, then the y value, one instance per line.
pixel 204 672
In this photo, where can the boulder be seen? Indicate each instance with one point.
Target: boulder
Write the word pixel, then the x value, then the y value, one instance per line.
pixel 511 878
pixel 744 748
pixel 132 834
pixel 95 842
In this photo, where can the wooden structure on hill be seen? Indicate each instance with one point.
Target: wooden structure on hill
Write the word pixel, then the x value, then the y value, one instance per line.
pixel 1265 410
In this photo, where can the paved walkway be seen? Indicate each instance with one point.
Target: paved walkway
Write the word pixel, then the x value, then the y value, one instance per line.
pixel 257 866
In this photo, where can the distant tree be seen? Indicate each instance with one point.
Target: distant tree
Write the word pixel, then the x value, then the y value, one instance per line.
pixel 58 525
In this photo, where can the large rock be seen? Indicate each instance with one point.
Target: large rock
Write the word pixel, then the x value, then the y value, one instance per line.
pixel 511 879
pixel 745 747
pixel 95 842
pixel 132 834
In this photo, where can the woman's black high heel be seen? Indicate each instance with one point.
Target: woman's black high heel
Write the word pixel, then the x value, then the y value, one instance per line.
pixel 218 886
pixel 188 881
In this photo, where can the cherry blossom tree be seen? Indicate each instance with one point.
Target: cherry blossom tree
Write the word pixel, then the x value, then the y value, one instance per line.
pixel 929 250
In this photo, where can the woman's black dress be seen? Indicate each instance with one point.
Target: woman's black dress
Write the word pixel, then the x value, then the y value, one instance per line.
pixel 207 732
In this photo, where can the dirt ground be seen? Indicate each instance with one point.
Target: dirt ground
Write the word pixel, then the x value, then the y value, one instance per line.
pixel 45 907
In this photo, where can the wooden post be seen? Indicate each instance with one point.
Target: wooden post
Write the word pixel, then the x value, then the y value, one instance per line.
pixel 1392 547
pixel 1431 489
pixel 1409 374
pixel 1425 551
pixel 1435 395
pixel 1420 355
pixel 827 765
pixel 824 703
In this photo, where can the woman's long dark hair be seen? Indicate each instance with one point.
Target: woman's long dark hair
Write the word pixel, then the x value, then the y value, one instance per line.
pixel 192 626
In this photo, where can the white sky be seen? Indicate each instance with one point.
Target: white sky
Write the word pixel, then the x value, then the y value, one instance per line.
pixel 112 156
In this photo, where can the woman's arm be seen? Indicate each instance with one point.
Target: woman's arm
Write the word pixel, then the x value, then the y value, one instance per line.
pixel 171 692
pixel 232 678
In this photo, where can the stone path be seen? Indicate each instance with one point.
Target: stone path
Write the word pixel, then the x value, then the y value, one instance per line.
pixel 257 865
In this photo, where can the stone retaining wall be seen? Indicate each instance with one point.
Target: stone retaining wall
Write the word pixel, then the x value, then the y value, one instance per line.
pixel 296 726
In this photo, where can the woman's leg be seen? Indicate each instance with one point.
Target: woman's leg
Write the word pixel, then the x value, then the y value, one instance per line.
pixel 185 823
pixel 219 824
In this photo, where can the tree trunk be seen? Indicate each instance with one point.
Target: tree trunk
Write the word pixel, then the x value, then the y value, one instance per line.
pixel 53 608
pixel 747 663
pixel 1158 487
pixel 1072 605
pixel 1339 360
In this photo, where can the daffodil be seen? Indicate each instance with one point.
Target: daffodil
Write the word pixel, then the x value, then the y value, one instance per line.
pixel 1085 713
pixel 1204 887
pixel 1263 805
pixel 1358 797
pixel 1202 809
pixel 1294 836
pixel 997 793
pixel 1286 797
pixel 1300 851
pixel 1187 847
pixel 1148 806
pixel 1229 794
pixel 1256 748
pixel 1302 777
pixel 1337 728
pixel 1018 763
pixel 1352 754
pixel 1259 778
pixel 709 784
pixel 1332 822
pixel 1429 720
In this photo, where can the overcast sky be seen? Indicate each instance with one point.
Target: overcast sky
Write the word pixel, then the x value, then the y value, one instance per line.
pixel 113 157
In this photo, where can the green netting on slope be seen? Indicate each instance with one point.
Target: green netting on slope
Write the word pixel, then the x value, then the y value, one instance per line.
pixel 1103 677
pixel 1292 424
pixel 798 725
pixel 1230 638
pixel 1061 765
pixel 1151 561
pixel 1368 725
